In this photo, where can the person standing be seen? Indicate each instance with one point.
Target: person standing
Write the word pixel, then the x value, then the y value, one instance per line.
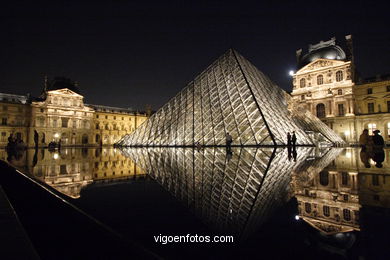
pixel 293 139
pixel 363 138
pixel 288 139
pixel 229 141
pixel 377 139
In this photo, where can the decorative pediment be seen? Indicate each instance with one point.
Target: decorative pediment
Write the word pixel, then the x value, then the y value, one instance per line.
pixel 369 98
pixel 329 228
pixel 64 91
pixel 319 64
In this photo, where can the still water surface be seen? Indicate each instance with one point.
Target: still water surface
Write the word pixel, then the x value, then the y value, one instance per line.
pixel 310 202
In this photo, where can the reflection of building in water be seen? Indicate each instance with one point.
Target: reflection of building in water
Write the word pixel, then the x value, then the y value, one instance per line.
pixel 231 193
pixel 70 170
pixel 60 114
pixel 331 200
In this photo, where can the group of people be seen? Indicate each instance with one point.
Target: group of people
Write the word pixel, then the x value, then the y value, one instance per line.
pixel 15 142
pixel 371 140
pixel 372 148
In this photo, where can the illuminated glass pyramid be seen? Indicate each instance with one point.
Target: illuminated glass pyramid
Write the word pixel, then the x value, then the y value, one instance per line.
pixel 230 96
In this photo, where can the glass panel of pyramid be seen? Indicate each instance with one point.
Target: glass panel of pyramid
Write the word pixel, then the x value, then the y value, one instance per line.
pixel 230 96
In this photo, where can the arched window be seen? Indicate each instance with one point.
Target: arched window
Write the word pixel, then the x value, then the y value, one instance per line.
pixel 302 83
pixel 371 128
pixel 320 108
pixel 339 92
pixel 339 76
pixel 97 126
pixel 324 178
pixel 320 80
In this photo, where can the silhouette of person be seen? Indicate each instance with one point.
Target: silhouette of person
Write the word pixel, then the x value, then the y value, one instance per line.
pixel 364 157
pixel 377 139
pixel 378 157
pixel 288 139
pixel 364 138
pixel 293 139
pixel 229 141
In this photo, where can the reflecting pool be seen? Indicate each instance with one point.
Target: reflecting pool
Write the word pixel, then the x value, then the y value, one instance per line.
pixel 305 202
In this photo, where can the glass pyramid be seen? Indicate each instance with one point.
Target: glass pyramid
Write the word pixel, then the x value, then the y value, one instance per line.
pixel 230 96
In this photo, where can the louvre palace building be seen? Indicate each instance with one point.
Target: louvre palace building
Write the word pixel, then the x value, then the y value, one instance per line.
pixel 60 115
pixel 328 85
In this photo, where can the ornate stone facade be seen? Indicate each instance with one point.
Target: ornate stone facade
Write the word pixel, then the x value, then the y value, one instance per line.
pixel 325 84
pixel 60 115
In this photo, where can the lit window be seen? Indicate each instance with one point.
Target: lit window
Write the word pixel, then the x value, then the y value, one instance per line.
pixel 347 214
pixel 339 92
pixel 326 211
pixel 339 76
pixel 369 91
pixel 370 107
pixel 371 128
pixel 320 80
pixel 302 83
pixel 388 129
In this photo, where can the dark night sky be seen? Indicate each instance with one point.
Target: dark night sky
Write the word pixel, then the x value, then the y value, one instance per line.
pixel 128 55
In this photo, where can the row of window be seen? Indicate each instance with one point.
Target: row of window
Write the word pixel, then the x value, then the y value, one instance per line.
pixel 339 92
pixel 369 90
pixel 106 117
pixel 371 107
pixel 320 79
pixel 326 211
pixel 320 110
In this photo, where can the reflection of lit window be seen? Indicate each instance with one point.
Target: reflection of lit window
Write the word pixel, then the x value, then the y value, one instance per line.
pixel 375 180
pixel 307 207
pixel 324 178
pixel 371 128
pixel 347 214
pixel 326 211
pixel 344 178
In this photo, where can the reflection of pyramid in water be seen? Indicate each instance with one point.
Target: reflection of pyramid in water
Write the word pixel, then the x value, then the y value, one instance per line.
pixel 235 194
pixel 230 96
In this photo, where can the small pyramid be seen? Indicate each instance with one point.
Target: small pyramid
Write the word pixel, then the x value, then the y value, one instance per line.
pixel 230 96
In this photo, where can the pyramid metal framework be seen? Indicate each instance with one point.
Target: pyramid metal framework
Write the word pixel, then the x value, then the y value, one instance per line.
pixel 231 194
pixel 230 96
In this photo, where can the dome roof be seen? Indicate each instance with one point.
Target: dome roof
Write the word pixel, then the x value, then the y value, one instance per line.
pixel 61 82
pixel 323 50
